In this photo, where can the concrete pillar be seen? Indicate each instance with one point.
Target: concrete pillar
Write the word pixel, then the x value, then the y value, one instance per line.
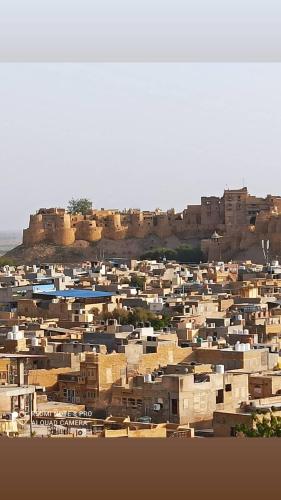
pixel 21 403
pixel 34 402
pixel 20 369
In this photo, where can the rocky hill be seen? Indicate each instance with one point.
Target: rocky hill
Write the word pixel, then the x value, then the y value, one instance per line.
pixel 82 250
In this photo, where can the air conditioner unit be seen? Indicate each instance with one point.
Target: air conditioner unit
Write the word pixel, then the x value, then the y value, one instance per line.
pixel 156 407
pixel 81 432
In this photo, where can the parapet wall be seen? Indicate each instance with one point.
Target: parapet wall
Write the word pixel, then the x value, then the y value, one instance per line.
pixel 242 220
pixel 111 227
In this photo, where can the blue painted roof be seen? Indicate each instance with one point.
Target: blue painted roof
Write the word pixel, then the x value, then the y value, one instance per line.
pixel 76 293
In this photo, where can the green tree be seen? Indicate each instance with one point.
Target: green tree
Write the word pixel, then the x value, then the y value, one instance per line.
pixel 136 316
pixel 183 253
pixel 160 254
pixel 187 253
pixel 7 261
pixel 79 206
pixel 265 427
pixel 138 281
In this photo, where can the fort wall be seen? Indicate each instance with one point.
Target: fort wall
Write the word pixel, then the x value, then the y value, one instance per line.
pixel 240 218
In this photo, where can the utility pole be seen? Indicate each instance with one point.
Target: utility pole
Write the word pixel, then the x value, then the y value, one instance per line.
pixel 30 415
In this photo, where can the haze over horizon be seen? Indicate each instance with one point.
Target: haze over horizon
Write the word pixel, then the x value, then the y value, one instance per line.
pixel 135 135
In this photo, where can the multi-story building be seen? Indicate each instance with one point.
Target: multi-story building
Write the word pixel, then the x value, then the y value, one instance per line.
pixel 179 396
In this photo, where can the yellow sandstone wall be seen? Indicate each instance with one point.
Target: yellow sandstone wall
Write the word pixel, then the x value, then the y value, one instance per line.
pixel 58 227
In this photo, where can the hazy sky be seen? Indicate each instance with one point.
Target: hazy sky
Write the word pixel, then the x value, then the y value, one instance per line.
pixel 135 135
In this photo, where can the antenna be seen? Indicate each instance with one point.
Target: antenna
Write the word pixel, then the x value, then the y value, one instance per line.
pixel 265 249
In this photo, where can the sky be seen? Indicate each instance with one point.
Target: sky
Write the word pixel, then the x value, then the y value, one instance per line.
pixel 141 135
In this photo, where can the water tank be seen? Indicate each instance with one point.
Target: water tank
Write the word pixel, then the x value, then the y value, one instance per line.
pixel 219 368
pixel 15 329
pixel 237 346
pixel 248 346
pixel 148 377
pixel 10 336
pixel 246 332
pixel 34 342
pixel 240 317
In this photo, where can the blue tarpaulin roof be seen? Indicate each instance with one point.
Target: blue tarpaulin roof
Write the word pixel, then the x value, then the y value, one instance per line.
pixel 76 293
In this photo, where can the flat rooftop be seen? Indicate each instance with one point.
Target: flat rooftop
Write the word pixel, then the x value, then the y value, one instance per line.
pixel 21 356
pixel 75 293
pixel 14 390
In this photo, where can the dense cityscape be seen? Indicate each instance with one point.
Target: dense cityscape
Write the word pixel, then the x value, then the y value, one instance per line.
pixel 150 347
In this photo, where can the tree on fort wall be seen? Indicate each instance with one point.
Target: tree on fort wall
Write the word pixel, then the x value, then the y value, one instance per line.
pixel 79 206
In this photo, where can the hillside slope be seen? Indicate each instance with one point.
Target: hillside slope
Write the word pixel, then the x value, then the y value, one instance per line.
pixel 82 250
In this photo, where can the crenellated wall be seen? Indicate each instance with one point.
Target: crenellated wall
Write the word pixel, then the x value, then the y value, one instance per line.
pixel 243 220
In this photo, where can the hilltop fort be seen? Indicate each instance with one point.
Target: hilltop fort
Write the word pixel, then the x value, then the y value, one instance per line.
pixel 225 226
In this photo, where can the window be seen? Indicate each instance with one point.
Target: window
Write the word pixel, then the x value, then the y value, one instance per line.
pixel 228 387
pixel 150 349
pixel 258 390
pixel 174 406
pixel 219 398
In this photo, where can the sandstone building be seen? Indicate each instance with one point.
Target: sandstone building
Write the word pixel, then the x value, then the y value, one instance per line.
pixel 242 219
